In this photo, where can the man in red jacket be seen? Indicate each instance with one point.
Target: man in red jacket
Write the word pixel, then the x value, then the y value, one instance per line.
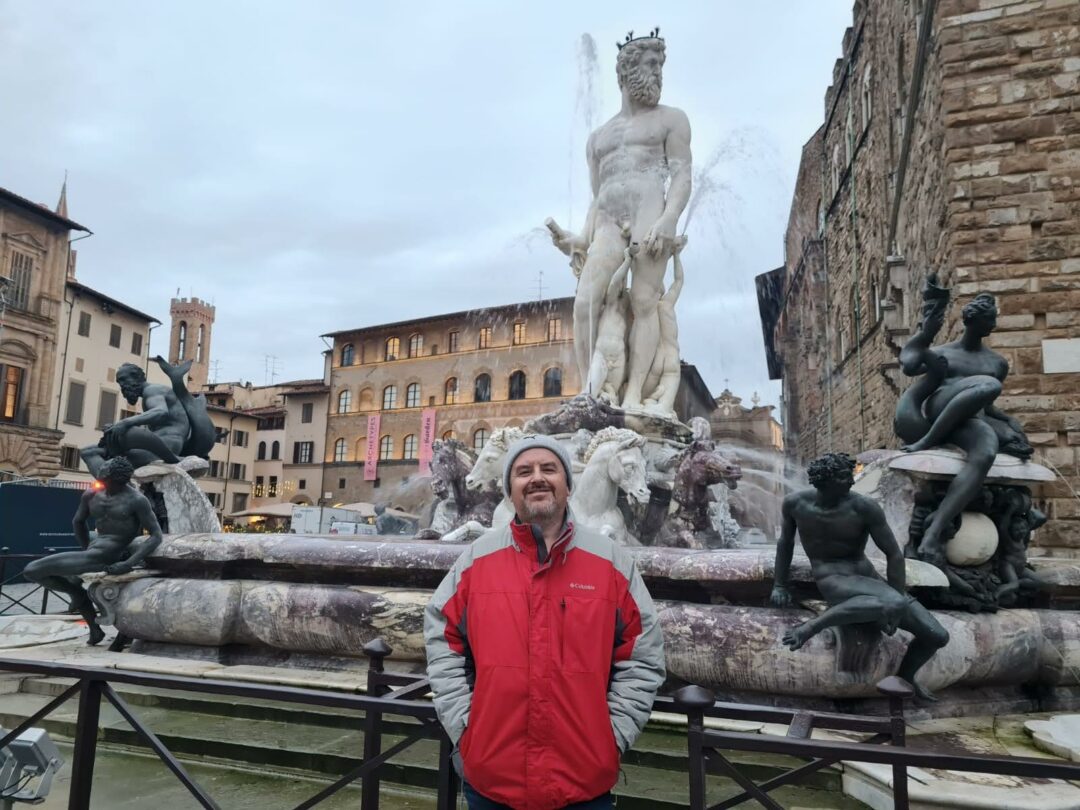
pixel 544 650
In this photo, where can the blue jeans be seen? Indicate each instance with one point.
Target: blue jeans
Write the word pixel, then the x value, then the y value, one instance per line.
pixel 478 802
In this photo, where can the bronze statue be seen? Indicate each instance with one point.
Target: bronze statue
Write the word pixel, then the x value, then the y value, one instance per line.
pixel 173 423
pixel 121 514
pixel 953 403
pixel 834 523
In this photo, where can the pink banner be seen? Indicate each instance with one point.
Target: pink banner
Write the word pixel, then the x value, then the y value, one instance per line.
pixel 427 439
pixel 371 457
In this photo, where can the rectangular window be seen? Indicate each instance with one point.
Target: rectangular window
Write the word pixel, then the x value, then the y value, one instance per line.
pixel 76 395
pixel 69 458
pixel 240 438
pixel 136 343
pixel 554 329
pixel 341 483
pixel 519 333
pixel 84 324
pixel 302 452
pixel 106 409
pixel 302 483
pixel 452 345
pixel 258 491
pixel 214 498
pixel 19 293
pixel 271 489
pixel 222 435
pixel 11 396
pixel 215 469
pixel 239 501
pixel 485 338
pixel 237 471
pixel 307 412
pixel 115 333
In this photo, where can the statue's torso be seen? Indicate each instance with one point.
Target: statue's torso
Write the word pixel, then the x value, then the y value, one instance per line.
pixel 177 424
pixel 115 517
pixel 633 167
pixel 963 363
pixel 834 538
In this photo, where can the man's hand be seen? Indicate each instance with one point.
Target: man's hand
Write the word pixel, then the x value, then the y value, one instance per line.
pixel 123 567
pixel 781 597
pixel 658 241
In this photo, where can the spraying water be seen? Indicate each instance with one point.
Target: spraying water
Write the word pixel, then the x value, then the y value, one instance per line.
pixel 586 108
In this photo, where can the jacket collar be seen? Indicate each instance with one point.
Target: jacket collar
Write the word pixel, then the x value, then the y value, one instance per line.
pixel 524 535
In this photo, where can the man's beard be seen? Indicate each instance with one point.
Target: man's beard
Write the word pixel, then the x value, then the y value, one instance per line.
pixel 131 394
pixel 644 87
pixel 540 512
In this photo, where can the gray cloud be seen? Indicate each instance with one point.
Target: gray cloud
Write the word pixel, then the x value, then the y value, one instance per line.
pixel 311 167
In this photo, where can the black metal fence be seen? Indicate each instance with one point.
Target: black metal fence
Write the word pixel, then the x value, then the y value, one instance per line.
pixel 24 601
pixel 403 695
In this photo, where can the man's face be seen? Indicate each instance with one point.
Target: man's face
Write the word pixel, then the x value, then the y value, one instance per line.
pixel 130 387
pixel 645 80
pixel 838 485
pixel 538 486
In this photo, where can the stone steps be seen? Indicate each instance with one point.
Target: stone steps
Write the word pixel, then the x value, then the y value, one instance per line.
pixel 322 744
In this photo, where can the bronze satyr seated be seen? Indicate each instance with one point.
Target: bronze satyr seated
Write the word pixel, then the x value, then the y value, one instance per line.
pixel 121 514
pixel 834 523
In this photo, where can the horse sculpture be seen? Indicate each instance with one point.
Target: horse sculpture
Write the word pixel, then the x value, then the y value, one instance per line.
pixel 484 484
pixel 613 461
pixel 700 467
pixel 450 463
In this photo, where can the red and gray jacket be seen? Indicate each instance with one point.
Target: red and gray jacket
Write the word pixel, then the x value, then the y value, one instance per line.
pixel 543 671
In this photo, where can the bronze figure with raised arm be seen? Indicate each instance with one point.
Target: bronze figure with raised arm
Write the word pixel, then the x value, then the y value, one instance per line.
pixel 834 523
pixel 953 403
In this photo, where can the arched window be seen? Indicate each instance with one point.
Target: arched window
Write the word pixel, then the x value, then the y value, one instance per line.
pixel 856 315
pixel 199 343
pixel 348 354
pixel 275 451
pixel 867 98
pixel 339 450
pixel 875 299
pixel 261 456
pixel 517 385
pixel 393 348
pixel 386 447
pixel 482 388
pixel 367 399
pixel 479 439
pixel 389 397
pixel 181 344
pixel 553 382
pixel 344 401
pixel 409 451
pixel 412 395
pixel 448 435
pixel 450 390
pixel 416 345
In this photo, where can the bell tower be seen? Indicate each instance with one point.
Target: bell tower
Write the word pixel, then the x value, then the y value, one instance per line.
pixel 192 324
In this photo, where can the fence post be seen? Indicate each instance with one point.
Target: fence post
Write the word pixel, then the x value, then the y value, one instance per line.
pixel 692 701
pixel 376 652
pixel 85 745
pixel 897 690
pixel 448 778
pixel 3 569
pixel 44 590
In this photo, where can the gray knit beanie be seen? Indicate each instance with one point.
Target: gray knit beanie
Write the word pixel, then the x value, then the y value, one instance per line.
pixel 531 443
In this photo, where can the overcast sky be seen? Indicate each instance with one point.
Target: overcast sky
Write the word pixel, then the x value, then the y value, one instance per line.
pixel 316 166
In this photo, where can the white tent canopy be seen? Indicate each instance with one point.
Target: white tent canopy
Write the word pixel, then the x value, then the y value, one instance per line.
pixel 278 510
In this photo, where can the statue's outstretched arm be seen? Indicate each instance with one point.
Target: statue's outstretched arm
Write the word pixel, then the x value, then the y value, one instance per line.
pixel 915 358
pixel 155 411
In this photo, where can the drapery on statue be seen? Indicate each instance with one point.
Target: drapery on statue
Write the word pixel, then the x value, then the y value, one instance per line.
pixel 953 403
pixel 631 158
pixel 173 423
pixel 121 514
pixel 834 523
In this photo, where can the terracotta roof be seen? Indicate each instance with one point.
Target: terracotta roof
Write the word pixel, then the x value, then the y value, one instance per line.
pixel 546 303
pixel 40 210
pixel 81 288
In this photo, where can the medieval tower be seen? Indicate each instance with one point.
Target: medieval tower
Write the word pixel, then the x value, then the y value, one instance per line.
pixel 192 324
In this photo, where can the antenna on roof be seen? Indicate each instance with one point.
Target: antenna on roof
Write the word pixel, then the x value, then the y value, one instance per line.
pixel 540 285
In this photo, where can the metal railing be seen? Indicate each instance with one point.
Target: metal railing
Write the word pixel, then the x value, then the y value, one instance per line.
pixel 704 747
pixel 403 695
pixel 388 694
pixel 9 602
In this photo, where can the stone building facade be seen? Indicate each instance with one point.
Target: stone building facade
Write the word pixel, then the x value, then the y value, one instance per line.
pixel 480 370
pixel 98 334
pixel 35 253
pixel 950 143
